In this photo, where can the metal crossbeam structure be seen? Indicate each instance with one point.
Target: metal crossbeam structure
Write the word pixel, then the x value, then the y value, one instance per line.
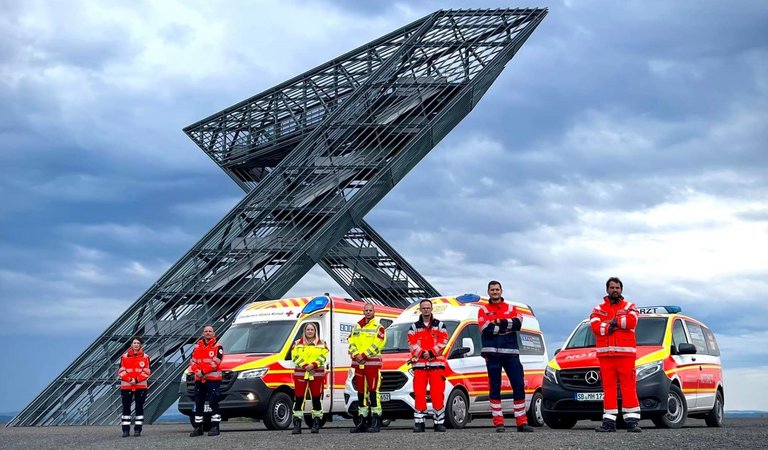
pixel 363 121
pixel 363 263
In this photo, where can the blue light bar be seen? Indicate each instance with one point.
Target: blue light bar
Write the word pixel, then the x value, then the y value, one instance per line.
pixel 666 309
pixel 468 298
pixel 315 304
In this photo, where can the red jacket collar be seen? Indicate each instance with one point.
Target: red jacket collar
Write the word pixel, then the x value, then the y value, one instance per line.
pixel 210 342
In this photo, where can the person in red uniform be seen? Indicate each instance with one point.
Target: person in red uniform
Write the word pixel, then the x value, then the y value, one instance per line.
pixel 205 364
pixel 365 344
pixel 133 373
pixel 309 355
pixel 613 323
pixel 426 340
pixel 499 323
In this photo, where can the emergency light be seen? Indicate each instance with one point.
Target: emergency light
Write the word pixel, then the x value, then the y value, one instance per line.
pixel 315 304
pixel 468 298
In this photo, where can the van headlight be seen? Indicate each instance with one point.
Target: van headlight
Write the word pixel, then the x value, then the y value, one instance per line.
pixel 550 374
pixel 646 370
pixel 253 373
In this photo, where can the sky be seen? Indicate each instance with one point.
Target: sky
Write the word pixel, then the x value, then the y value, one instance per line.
pixel 624 139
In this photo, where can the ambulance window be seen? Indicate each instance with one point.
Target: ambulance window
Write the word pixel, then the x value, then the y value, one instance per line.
pixel 678 334
pixel 650 330
pixel 583 337
pixel 385 322
pixel 473 332
pixel 697 338
pixel 530 343
pixel 714 350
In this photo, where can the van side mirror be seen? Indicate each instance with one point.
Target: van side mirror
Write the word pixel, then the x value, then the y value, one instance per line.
pixel 470 344
pixel 557 351
pixel 686 349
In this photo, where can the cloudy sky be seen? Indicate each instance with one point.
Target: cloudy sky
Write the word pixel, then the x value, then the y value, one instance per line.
pixel 623 139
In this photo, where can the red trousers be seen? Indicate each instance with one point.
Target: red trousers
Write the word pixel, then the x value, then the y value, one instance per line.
pixel 367 377
pixel 619 369
pixel 433 377
pixel 315 386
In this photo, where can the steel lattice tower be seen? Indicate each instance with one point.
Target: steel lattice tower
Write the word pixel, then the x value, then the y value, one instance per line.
pixel 314 155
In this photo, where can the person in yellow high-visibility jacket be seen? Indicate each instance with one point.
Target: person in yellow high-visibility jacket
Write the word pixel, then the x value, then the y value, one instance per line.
pixel 309 356
pixel 365 344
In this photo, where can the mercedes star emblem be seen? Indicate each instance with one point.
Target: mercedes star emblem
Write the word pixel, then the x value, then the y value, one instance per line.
pixel 592 377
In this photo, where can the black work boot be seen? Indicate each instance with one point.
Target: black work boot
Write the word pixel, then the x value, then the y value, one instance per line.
pixel 296 425
pixel 137 432
pixel 375 424
pixel 361 427
pixel 608 426
pixel 439 428
pixel 315 425
pixel 633 426
pixel 126 430
pixel 197 431
pixel 525 428
pixel 418 427
pixel 214 429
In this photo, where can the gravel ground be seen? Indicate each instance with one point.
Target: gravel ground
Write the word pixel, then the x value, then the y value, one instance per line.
pixel 737 433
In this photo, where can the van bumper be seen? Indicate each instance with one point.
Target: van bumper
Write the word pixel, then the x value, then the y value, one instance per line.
pixel 239 398
pixel 652 393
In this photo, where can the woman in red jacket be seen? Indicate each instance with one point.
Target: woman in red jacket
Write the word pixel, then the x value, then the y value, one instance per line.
pixel 134 372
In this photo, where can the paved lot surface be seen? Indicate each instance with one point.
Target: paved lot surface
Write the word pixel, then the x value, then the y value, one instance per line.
pixel 737 433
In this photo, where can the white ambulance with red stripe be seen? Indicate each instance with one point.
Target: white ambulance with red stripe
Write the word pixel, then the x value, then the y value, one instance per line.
pixel 257 368
pixel 678 373
pixel 466 387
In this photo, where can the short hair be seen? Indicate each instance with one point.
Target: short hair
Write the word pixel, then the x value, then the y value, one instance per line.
pixel 425 300
pixel 494 282
pixel 614 280
pixel 137 338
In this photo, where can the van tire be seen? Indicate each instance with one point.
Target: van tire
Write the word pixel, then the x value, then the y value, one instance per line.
pixel 715 417
pixel 535 416
pixel 677 410
pixel 457 409
pixel 279 412
pixel 557 422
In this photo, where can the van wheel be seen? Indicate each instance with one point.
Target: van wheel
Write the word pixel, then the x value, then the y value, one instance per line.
pixel 206 421
pixel 279 412
pixel 457 410
pixel 308 420
pixel 677 410
pixel 556 422
pixel 715 417
pixel 535 417
pixel 386 422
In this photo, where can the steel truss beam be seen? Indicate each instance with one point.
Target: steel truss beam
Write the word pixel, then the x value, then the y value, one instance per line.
pixel 427 77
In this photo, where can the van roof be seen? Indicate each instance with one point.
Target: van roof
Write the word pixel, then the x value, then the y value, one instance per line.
pixel 291 308
pixel 458 308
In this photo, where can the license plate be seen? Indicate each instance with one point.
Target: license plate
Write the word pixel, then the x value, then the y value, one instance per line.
pixel 588 396
pixel 385 397
pixel 207 408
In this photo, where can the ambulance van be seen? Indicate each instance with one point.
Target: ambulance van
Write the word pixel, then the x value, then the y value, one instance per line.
pixel 466 387
pixel 678 373
pixel 257 367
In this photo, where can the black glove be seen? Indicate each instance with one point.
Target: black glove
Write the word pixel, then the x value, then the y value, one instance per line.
pixel 612 327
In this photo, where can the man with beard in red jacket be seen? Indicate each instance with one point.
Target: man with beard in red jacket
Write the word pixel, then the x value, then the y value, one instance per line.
pixel 613 323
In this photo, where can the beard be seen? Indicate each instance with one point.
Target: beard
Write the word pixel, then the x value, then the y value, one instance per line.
pixel 614 298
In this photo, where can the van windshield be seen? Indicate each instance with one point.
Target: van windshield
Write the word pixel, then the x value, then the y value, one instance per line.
pixel 397 336
pixel 650 331
pixel 256 337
